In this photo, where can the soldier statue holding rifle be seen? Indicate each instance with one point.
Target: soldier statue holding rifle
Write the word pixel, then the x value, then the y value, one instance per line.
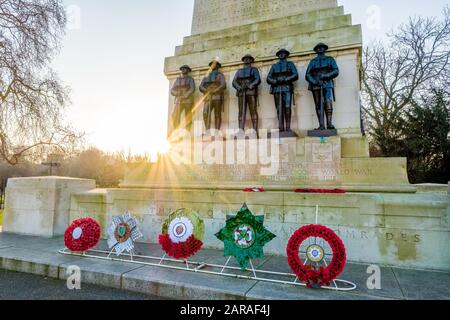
pixel 183 91
pixel 213 87
pixel 281 77
pixel 246 82
pixel 320 75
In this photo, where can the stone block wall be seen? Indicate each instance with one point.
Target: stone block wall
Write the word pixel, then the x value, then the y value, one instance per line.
pixel 398 229
pixel 40 206
pixel 407 230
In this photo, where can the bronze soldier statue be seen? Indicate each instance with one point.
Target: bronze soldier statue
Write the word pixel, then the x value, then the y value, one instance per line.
pixel 320 75
pixel 246 82
pixel 281 77
pixel 213 87
pixel 183 90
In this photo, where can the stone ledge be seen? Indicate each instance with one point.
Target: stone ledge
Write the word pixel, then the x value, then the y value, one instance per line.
pixel 48 182
pixel 343 38
pixel 212 15
pixel 268 24
pixel 358 188
pixel 299 28
pixel 432 188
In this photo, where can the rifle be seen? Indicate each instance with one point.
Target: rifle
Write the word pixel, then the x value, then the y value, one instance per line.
pixel 206 83
pixel 322 107
pixel 208 119
pixel 280 110
pixel 245 109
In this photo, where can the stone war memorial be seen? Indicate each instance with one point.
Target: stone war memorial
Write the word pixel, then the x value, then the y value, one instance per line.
pixel 264 120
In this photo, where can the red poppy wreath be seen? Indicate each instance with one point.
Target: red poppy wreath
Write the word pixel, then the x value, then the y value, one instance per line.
pixel 182 234
pixel 308 250
pixel 82 235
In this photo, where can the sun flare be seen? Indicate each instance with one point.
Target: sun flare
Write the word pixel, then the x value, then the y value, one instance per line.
pixel 165 147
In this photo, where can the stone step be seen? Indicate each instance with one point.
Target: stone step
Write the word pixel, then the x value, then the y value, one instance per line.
pixel 266 25
pixel 340 38
pixel 231 40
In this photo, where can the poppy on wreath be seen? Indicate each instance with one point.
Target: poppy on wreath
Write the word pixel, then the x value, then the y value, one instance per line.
pixel 182 234
pixel 82 235
pixel 314 271
pixel 244 236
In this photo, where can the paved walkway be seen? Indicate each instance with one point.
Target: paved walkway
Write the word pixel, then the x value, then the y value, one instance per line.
pixel 40 256
pixel 24 286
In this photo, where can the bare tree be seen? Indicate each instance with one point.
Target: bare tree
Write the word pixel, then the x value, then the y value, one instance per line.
pixel 413 63
pixel 32 98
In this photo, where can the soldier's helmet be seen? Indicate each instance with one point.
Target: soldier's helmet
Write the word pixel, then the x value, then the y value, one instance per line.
pixel 186 67
pixel 320 45
pixel 248 56
pixel 285 51
pixel 215 62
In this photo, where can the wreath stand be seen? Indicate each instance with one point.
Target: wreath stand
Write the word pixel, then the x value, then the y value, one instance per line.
pixel 199 267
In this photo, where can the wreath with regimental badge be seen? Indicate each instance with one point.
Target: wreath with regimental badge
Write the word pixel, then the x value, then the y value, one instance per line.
pixel 244 236
pixel 123 232
pixel 182 234
pixel 307 253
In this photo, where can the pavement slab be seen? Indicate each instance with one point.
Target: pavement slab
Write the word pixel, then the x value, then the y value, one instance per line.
pixel 33 261
pixel 23 286
pixel 423 285
pixel 34 243
pixel 390 287
pixel 99 272
pixel 275 291
pixel 185 285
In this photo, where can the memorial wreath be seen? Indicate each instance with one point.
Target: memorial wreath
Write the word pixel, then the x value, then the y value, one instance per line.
pixel 123 232
pixel 315 273
pixel 82 235
pixel 182 234
pixel 244 236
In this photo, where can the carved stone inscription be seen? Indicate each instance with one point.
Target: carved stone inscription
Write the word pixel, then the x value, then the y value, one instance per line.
pixel 212 15
pixel 322 152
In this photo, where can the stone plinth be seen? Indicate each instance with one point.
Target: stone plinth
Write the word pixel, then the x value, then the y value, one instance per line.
pixel 40 206
pixel 275 164
pixel 408 230
pixel 213 15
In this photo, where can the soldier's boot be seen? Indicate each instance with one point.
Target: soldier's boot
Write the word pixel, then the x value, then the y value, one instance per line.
pixel 321 120
pixel 255 121
pixel 288 117
pixel 329 112
pixel 255 125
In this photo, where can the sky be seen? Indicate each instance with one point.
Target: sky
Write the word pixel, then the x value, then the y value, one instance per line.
pixel 112 58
